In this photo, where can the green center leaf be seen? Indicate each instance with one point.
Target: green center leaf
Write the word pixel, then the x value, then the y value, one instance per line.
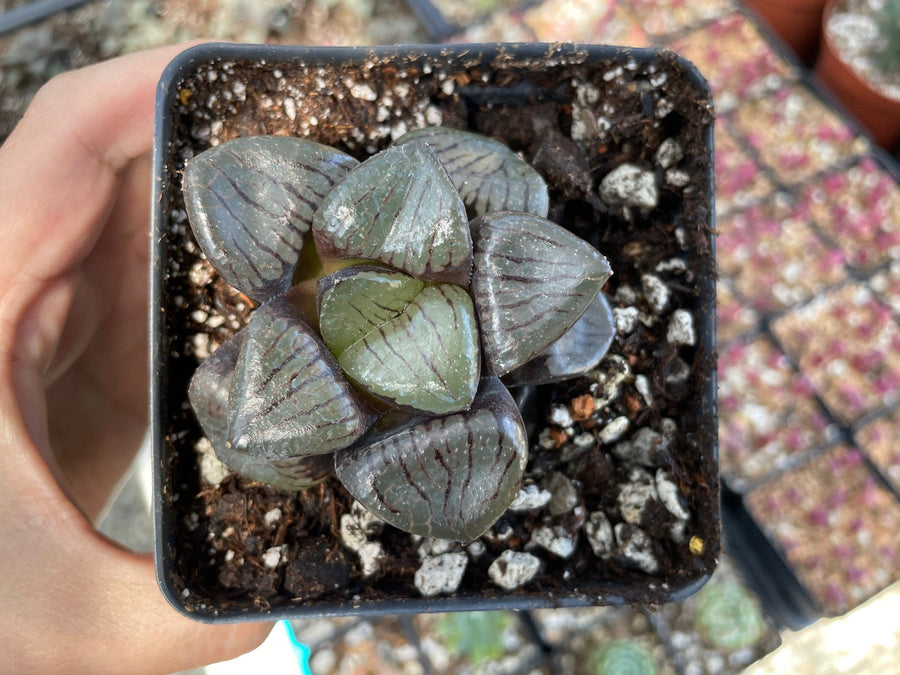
pixel 412 345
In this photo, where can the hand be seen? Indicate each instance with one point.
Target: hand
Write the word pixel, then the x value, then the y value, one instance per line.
pixel 74 202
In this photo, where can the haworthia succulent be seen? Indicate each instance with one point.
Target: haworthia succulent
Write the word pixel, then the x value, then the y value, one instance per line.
pixel 531 280
pixel 289 397
pixel 488 175
pixel 208 394
pixel 398 207
pixel 251 202
pixel 425 357
pixel 358 300
pixel 449 477
pixel 576 352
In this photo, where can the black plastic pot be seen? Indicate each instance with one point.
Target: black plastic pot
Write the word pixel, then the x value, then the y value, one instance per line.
pixel 218 91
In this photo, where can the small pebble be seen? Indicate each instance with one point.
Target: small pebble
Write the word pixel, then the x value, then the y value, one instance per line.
pixel 636 547
pixel 431 546
pixel 555 539
pixel 441 573
pixel 212 470
pixel 272 557
pixel 680 330
pixel 370 554
pixel 529 498
pixel 677 177
pixel 564 493
pixel 630 185
pixel 669 153
pixel 609 377
pixel 656 292
pixel 642 384
pixel 647 447
pixel 613 431
pixel 635 495
pixel 583 440
pixel 476 549
pixel 599 534
pixel 560 415
pixel 272 516
pixel 513 569
pixel 670 496
pixel 626 319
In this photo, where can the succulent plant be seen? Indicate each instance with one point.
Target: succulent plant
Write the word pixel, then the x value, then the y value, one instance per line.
pixel 479 636
pixel 727 616
pixel 387 318
pixel 621 657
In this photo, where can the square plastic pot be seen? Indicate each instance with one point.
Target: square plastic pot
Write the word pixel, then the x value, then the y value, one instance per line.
pixel 617 106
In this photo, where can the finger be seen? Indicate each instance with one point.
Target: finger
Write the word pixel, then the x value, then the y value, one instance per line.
pixel 58 169
pixel 77 603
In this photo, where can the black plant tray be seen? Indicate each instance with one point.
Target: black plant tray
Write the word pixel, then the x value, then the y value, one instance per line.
pixel 220 91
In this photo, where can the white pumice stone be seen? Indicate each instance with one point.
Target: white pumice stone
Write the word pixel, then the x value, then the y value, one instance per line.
pixel 554 539
pixel 370 554
pixel 560 415
pixel 513 569
pixel 642 384
pixel 656 292
pixel 431 546
pixel 212 470
pixel 599 533
pixel 670 496
pixel 626 319
pixel 677 531
pixel 679 371
pixel 680 330
pixel 609 377
pixel 646 447
pixel 677 177
pixel 357 525
pixel 672 265
pixel 637 547
pixel 669 430
pixel 475 549
pixel 545 439
pixel 583 440
pixel 441 573
pixel 272 557
pixel 669 153
pixel 564 494
pixel 272 517
pixel 626 295
pixel 630 185
pixel 635 495
pixel 614 430
pixel 529 498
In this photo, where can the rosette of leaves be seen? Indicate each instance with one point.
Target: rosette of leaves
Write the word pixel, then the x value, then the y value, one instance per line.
pixel 728 617
pixel 621 657
pixel 393 295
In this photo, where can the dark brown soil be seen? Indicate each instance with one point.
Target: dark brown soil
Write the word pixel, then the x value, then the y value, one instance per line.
pixel 532 113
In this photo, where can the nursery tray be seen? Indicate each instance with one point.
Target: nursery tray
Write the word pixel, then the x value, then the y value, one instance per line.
pixel 211 533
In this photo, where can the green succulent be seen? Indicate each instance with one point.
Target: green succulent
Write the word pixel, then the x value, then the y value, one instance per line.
pixel 394 294
pixel 477 635
pixel 727 616
pixel 621 657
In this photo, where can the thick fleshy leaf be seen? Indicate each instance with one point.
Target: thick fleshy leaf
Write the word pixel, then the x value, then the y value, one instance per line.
pixel 208 394
pixel 251 202
pixel 398 207
pixel 358 300
pixel 575 353
pixel 411 345
pixel 289 398
pixel 488 175
pixel 531 280
pixel 449 477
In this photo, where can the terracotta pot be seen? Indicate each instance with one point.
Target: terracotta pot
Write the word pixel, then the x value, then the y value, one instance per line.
pixel 875 111
pixel 797 22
